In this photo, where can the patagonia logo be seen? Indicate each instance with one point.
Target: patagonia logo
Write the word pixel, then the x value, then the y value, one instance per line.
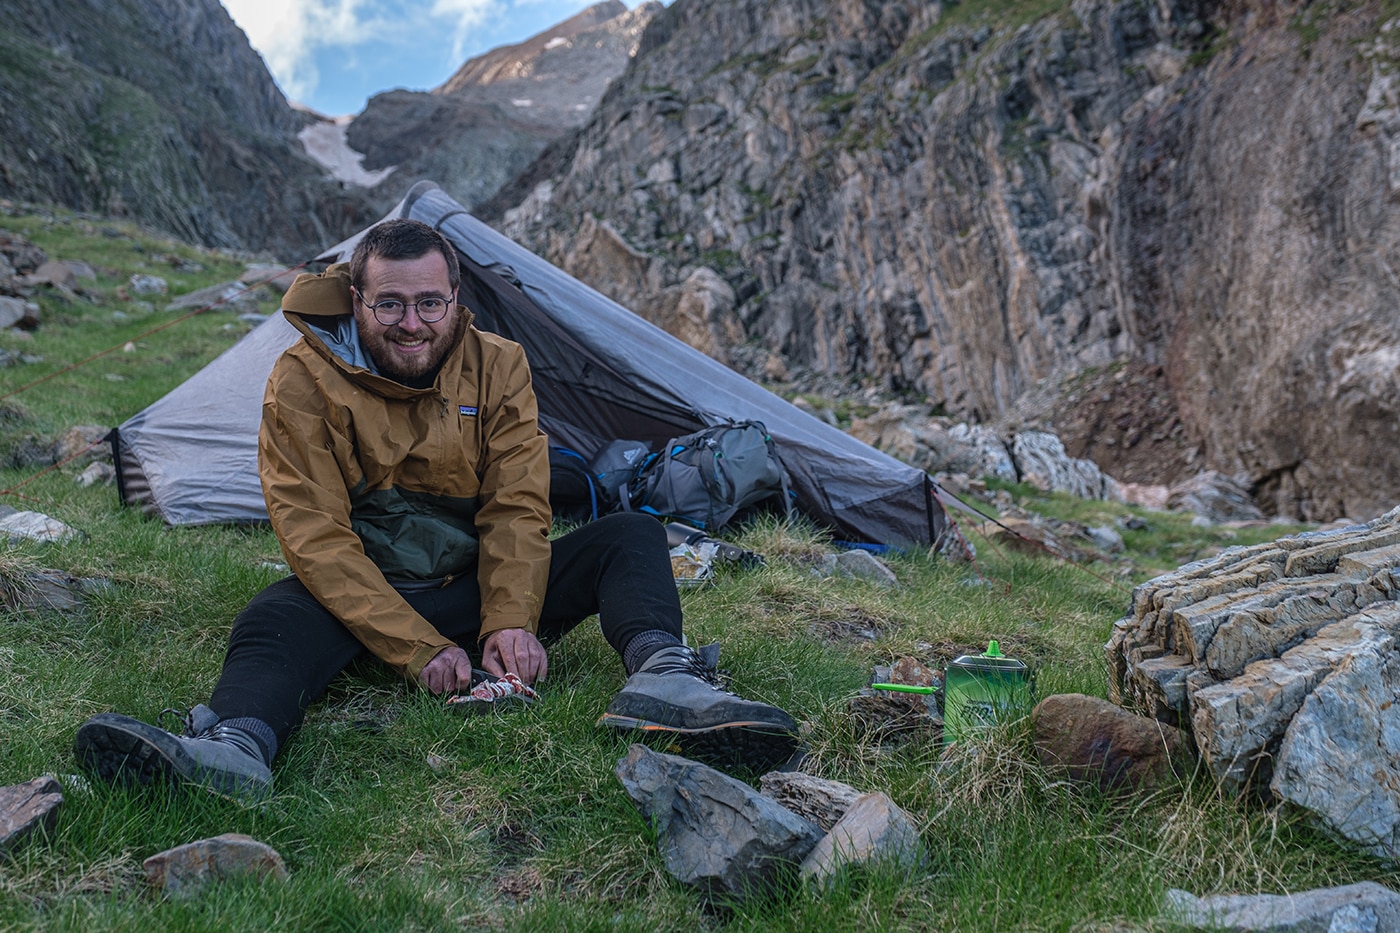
pixel 466 411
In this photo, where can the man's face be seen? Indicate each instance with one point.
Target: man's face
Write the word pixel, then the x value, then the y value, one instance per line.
pixel 411 348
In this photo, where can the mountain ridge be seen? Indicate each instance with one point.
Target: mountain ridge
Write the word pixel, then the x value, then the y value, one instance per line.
pixel 965 202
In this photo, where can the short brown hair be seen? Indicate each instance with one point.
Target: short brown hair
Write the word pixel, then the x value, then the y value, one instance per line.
pixel 402 238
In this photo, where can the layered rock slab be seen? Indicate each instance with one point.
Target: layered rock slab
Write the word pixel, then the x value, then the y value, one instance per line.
pixel 1280 660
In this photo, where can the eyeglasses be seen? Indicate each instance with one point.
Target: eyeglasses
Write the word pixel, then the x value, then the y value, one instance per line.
pixel 391 311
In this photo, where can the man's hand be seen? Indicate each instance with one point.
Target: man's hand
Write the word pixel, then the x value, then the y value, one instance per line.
pixel 449 670
pixel 516 651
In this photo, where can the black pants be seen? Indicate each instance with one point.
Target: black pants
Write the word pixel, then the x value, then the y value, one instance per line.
pixel 285 648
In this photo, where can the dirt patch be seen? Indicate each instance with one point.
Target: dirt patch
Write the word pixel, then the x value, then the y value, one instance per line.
pixel 1123 418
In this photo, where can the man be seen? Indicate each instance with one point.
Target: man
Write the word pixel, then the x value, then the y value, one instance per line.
pixel 407 481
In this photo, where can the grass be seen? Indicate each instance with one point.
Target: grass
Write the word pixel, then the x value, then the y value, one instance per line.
pixel 392 815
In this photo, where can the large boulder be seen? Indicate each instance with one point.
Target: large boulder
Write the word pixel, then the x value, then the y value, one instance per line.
pixel 715 833
pixel 1280 659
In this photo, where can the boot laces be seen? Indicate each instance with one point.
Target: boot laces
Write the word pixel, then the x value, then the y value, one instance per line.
pixel 177 722
pixel 689 662
pixel 188 724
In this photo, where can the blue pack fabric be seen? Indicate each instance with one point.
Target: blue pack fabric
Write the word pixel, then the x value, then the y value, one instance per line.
pixel 707 478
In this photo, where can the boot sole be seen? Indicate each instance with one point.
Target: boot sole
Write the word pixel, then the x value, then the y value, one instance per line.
pixel 119 749
pixel 761 746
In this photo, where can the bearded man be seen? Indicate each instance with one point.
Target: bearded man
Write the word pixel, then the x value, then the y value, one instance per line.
pixel 407 481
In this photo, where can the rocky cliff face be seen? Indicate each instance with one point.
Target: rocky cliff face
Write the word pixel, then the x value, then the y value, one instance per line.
pixel 160 111
pixel 968 200
pixel 500 110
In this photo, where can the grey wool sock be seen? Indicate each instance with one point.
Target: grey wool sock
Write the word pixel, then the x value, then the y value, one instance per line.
pixel 259 730
pixel 643 646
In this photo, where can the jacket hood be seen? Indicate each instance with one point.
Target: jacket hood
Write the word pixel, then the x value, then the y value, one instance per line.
pixel 321 307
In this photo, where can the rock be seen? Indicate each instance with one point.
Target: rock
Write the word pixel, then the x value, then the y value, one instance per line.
pixel 1279 658
pixel 1106 539
pixel 891 715
pixel 97 474
pixel 862 565
pixel 34 526
pixel 874 829
pixel 277 278
pixel 31 451
pixel 25 808
pixel 821 801
pixel 1366 907
pixel 714 832
pixel 906 433
pixel 187 869
pixel 140 284
pixel 81 269
pixel 23 256
pixel 1091 740
pixel 1042 462
pixel 1214 497
pixel 1340 756
pixel 1026 537
pixel 16 312
pixel 83 444
pixel 987 451
pixel 1146 495
pixel 228 296
pixel 50 591
pixel 53 272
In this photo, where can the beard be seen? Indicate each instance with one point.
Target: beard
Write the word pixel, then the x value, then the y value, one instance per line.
pixel 417 370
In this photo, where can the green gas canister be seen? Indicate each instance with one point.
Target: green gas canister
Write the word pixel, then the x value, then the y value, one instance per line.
pixel 980 690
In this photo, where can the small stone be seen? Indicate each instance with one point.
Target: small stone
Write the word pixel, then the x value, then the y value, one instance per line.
pixel 83 443
pixel 278 278
pixel 147 285
pixel 54 272
pixel 16 312
pixel 817 799
pixel 185 870
pixel 25 808
pixel 873 829
pixel 1094 741
pixel 229 296
pixel 98 474
pixel 1106 539
pixel 1364 908
pixel 863 565
pixel 34 526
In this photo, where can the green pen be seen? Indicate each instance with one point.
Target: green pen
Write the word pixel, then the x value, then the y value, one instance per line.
pixel 903 688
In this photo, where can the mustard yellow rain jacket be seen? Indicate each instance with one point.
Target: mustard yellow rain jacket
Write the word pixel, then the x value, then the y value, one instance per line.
pixel 372 485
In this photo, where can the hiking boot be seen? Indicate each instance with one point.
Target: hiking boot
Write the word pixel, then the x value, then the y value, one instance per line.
pixel 223 759
pixel 677 693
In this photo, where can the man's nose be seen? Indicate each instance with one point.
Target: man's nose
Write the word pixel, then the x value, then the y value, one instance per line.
pixel 410 320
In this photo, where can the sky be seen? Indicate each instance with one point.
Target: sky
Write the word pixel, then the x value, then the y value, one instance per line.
pixel 333 55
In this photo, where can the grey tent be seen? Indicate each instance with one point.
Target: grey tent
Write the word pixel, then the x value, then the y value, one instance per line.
pixel 600 372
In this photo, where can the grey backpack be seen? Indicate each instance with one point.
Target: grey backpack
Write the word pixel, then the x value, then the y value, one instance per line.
pixel 706 478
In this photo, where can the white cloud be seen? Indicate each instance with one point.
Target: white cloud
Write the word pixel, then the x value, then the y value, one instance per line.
pixel 463 16
pixel 289 33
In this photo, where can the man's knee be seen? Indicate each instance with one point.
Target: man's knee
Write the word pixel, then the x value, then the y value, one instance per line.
pixel 632 526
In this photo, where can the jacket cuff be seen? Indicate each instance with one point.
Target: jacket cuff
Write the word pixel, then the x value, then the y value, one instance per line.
pixel 420 658
pixel 501 624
